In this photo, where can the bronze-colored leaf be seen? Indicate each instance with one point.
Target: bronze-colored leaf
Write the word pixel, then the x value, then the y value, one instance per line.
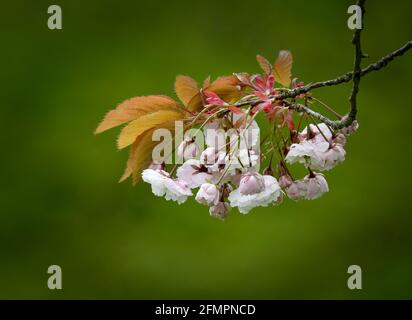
pixel 140 156
pixel 264 64
pixel 283 67
pixel 206 83
pixel 132 108
pixel 131 161
pixel 225 87
pixel 135 128
pixel 186 88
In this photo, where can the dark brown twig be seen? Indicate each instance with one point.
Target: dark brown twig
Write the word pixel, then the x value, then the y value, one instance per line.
pixel 359 73
pixel 356 41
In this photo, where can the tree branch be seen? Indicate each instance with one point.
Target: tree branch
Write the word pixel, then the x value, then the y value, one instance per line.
pixel 383 62
pixel 334 124
pixel 356 41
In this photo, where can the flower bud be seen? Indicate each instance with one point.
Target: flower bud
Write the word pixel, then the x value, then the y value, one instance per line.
pixel 209 156
pixel 208 194
pixel 220 210
pixel 351 128
pixel 333 156
pixel 296 190
pixel 340 139
pixel 251 183
pixel 316 186
pixel 188 149
pixel 285 181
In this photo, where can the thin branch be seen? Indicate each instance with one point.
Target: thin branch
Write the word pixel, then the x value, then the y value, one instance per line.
pixel 356 41
pixel 338 124
pixel 386 59
pixel 383 62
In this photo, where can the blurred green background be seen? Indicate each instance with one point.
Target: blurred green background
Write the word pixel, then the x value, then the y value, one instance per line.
pixel 60 200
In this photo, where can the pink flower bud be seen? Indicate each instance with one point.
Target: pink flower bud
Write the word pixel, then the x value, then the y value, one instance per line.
pixel 188 149
pixel 209 156
pixel 285 181
pixel 351 128
pixel 251 183
pixel 340 138
pixel 316 186
pixel 208 194
pixel 296 190
pixel 220 210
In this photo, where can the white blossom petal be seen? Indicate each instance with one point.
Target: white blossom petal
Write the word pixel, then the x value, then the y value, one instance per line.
pixel 163 185
pixel 269 195
pixel 192 176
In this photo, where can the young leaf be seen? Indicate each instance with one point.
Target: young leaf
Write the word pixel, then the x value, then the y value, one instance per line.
pixel 213 98
pixel 225 87
pixel 131 161
pixel 142 152
pixel 282 68
pixel 186 88
pixel 135 128
pixel 264 64
pixel 132 108
pixel 206 83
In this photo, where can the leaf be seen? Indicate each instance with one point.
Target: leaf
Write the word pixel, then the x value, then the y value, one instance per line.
pixel 135 128
pixel 213 98
pixel 132 108
pixel 186 88
pixel 206 83
pixel 264 64
pixel 231 81
pixel 225 87
pixel 131 161
pixel 243 77
pixel 282 68
pixel 140 155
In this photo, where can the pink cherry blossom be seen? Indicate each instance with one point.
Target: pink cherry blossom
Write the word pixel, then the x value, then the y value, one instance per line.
pixel 316 186
pixel 162 185
pixel 251 183
pixel 208 194
pixel 268 195
pixel 188 149
pixel 194 173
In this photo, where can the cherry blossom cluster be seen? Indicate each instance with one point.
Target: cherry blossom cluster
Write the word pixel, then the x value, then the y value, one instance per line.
pixel 213 147
pixel 226 180
pixel 226 163
pixel 226 173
